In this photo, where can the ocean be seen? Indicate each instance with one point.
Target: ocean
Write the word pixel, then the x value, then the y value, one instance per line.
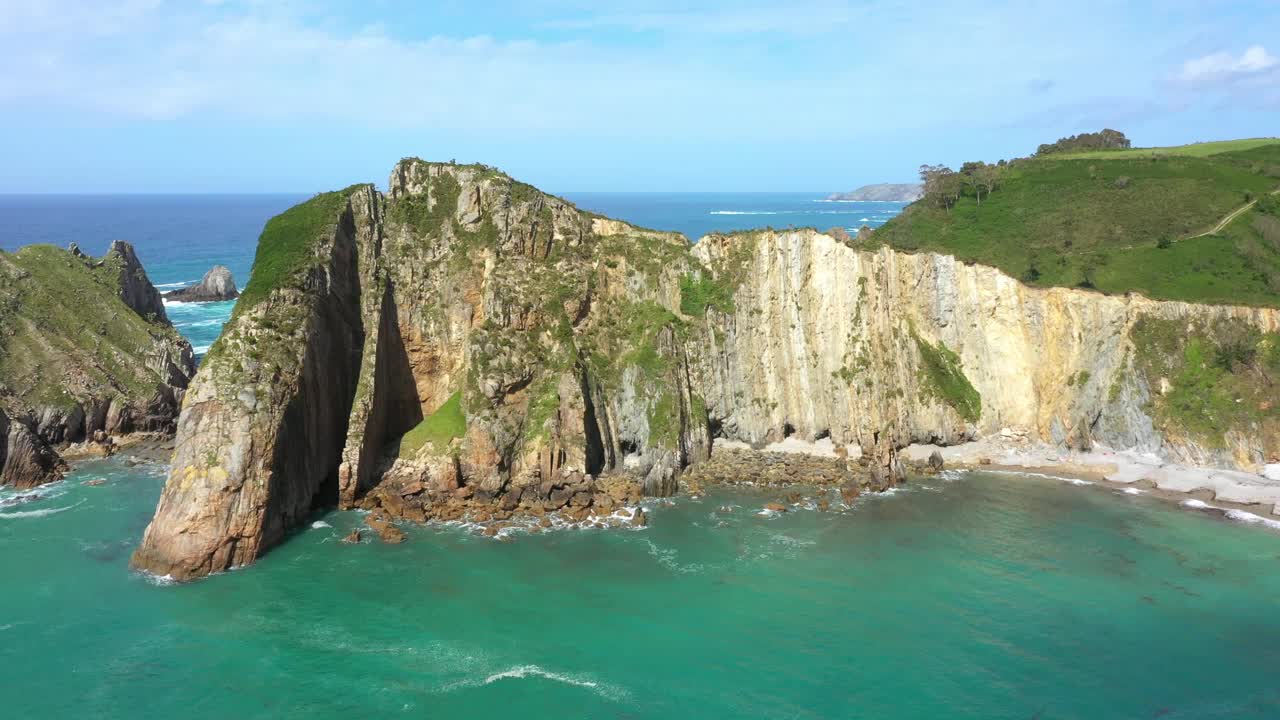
pixel 967 595
pixel 179 237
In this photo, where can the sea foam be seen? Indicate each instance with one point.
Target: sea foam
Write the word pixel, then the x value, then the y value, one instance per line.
pixel 37 513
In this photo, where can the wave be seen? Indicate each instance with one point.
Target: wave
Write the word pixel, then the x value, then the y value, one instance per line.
pixel 1028 473
pixel 1248 517
pixel 746 212
pixel 521 672
pixel 201 349
pixel 320 524
pixel 37 513
pixel 203 323
pixel 1232 514
pixel 176 284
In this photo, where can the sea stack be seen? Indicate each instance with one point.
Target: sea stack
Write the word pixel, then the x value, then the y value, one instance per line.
pixel 215 286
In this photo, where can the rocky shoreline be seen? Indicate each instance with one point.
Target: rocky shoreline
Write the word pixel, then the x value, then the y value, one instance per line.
pixel 824 480
pixel 1122 470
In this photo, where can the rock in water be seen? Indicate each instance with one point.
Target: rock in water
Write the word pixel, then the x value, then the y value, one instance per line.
pixel 500 349
pixel 935 461
pixel 216 285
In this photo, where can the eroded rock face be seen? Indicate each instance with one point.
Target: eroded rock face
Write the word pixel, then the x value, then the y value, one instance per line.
pixel 216 285
pixel 468 346
pixel 136 289
pixel 827 340
pixel 26 461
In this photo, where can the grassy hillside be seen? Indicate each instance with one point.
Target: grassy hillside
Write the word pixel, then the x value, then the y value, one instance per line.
pixel 1204 149
pixel 65 334
pixel 1124 223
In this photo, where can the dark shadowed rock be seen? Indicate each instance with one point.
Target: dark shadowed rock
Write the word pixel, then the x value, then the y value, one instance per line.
pixel 215 286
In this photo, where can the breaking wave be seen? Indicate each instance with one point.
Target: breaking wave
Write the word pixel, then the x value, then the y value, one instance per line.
pixel 37 513
pixel 522 672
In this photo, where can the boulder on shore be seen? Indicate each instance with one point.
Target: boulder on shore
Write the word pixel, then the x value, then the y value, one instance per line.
pixel 216 285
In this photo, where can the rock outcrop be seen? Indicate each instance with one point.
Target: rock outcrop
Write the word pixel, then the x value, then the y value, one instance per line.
pixel 216 285
pixel 882 192
pixel 86 353
pixel 466 344
pixel 136 290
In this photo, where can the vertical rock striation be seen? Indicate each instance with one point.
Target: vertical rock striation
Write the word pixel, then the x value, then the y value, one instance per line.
pixel 466 336
pixel 827 340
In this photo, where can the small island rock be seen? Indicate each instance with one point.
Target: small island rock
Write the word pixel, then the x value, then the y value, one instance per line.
pixel 215 286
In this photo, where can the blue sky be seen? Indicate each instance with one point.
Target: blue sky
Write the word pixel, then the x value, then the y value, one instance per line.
pixel 809 95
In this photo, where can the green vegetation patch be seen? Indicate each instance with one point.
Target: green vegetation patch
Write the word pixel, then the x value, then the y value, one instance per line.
pixel 287 246
pixel 1117 226
pixel 944 377
pixel 427 213
pixel 438 428
pixel 1204 149
pixel 63 326
pixel 1215 379
pixel 701 291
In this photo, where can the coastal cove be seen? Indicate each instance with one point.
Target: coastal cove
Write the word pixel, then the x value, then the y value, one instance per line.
pixel 712 610
pixel 995 588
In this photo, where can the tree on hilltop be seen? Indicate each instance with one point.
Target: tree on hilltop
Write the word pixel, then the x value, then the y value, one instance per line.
pixel 1106 139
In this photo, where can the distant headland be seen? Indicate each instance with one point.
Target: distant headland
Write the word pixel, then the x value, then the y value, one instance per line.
pixel 881 192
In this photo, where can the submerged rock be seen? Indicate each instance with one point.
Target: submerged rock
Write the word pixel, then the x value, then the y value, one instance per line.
pixel 216 285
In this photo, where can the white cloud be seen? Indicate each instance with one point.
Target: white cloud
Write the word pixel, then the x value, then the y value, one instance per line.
pixel 1224 66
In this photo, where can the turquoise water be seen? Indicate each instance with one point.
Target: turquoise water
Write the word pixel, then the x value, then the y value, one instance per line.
pixel 987 596
pixel 983 596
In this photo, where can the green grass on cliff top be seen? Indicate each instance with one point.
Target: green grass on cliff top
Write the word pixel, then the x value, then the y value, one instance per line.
pixel 1094 224
pixel 438 428
pixel 287 245
pixel 1203 149
pixel 63 325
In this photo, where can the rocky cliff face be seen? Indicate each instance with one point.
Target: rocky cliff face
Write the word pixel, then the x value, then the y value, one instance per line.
pixel 825 340
pixel 86 353
pixel 466 338
pixel 216 285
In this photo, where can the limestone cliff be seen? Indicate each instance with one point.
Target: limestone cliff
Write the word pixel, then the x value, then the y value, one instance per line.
pixel 85 352
pixel 822 339
pixel 466 338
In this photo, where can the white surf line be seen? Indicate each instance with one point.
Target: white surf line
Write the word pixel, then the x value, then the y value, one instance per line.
pixel 37 513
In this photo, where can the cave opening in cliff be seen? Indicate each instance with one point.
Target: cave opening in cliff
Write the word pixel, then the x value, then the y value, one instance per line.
pixel 788 430
pixel 628 447
pixel 591 429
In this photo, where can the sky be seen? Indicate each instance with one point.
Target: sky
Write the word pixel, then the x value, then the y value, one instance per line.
pixel 631 95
